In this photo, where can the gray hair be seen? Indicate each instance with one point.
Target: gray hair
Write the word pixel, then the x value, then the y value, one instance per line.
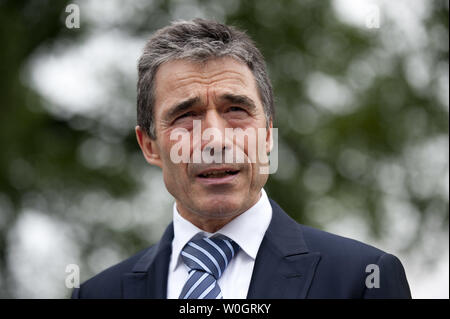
pixel 197 40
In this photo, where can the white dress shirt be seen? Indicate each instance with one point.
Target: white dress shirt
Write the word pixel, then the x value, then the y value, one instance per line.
pixel 247 230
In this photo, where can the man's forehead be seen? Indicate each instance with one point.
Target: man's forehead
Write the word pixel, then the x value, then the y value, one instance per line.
pixel 176 74
pixel 180 79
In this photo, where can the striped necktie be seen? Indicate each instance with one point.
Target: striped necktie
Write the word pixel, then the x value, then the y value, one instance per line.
pixel 207 259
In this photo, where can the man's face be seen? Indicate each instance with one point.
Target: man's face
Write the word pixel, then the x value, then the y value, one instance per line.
pixel 219 94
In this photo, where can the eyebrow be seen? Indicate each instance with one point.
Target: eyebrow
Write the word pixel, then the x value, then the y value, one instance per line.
pixel 228 97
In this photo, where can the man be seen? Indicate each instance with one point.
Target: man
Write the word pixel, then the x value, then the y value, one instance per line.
pixel 227 239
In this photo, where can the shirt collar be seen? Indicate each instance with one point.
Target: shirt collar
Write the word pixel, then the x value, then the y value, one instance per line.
pixel 247 230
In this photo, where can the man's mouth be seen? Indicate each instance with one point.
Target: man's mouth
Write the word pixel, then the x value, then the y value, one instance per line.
pixel 218 173
pixel 218 176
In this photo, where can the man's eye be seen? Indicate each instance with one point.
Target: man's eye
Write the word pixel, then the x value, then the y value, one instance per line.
pixel 236 109
pixel 187 114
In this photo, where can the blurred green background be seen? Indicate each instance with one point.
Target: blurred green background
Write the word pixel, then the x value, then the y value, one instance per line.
pixel 362 102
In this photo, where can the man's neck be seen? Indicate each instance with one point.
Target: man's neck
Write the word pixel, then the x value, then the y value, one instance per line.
pixel 210 224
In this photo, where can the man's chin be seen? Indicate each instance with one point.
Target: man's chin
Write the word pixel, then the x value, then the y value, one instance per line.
pixel 219 208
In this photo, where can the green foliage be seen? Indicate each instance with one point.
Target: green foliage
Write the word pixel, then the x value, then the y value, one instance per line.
pixel 331 152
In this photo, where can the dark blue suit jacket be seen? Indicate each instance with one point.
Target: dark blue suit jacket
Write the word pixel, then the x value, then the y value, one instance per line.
pixel 293 261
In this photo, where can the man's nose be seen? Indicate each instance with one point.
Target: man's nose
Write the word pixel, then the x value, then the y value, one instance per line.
pixel 214 127
pixel 213 119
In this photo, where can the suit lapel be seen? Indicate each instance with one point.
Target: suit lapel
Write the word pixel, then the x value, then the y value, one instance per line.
pixel 284 267
pixel 148 278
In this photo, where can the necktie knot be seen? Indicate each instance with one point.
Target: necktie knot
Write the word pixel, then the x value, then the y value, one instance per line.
pixel 211 255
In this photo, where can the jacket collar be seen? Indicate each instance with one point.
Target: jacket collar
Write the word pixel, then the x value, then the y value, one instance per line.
pixel 148 278
pixel 284 266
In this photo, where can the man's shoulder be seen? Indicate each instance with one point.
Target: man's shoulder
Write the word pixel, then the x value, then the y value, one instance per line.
pixel 108 283
pixel 333 244
pixel 346 263
pixel 321 241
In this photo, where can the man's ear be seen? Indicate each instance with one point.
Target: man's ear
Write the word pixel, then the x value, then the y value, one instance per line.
pixel 269 137
pixel 148 147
